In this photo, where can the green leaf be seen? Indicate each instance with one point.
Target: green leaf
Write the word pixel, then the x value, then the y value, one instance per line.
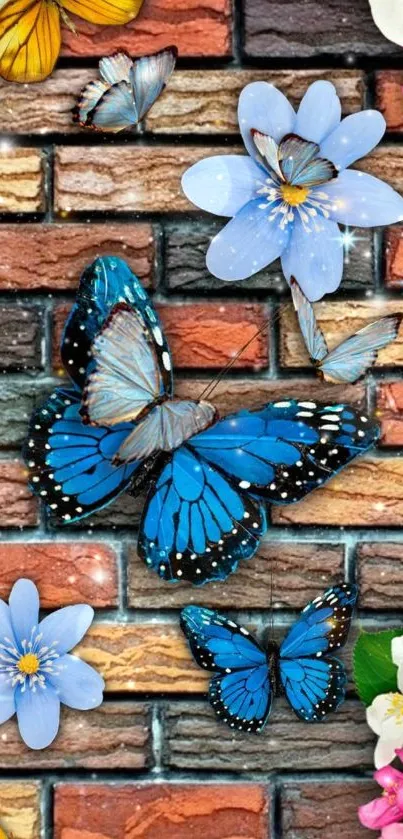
pixel 374 671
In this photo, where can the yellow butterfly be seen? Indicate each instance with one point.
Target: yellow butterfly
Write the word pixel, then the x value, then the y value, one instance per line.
pixel 30 34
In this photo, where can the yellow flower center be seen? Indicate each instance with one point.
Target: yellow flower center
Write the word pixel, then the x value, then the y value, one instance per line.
pixel 294 195
pixel 396 707
pixel 29 664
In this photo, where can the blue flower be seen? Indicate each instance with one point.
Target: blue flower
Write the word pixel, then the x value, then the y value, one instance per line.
pixel 36 672
pixel 287 197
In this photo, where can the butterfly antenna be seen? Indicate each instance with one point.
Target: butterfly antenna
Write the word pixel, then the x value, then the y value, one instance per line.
pixel 206 393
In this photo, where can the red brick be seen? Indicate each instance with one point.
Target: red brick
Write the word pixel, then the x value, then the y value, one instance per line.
pixel 394 257
pixel 65 572
pixel 98 811
pixel 390 412
pixel 389 97
pixel 52 256
pixel 317 810
pixel 203 336
pixel 199 29
pixel 380 575
pixel 18 508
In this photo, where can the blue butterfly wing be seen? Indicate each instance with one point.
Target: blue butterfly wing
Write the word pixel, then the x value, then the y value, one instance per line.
pixel 300 164
pixel 70 464
pixel 197 525
pixel 107 282
pixel 313 680
pixel 149 76
pixel 351 359
pixel 283 451
pixel 240 692
pixel 115 110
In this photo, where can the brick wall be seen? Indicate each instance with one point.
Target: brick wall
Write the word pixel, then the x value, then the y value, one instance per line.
pixel 152 762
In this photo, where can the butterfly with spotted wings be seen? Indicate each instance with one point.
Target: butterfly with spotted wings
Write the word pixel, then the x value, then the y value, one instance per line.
pixel 119 428
pixel 247 676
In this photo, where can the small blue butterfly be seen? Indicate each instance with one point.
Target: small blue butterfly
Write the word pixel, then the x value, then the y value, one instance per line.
pixel 352 358
pixel 126 91
pixel 249 676
pixel 119 428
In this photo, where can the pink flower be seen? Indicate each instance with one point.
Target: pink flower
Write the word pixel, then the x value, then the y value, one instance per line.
pixel 387 810
pixel 393 831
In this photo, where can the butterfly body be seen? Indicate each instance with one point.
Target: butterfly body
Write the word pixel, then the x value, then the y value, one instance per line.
pixel 119 428
pixel 247 676
pixel 350 360
pixel 126 91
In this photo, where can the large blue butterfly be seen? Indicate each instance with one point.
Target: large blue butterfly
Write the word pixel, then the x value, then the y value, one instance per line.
pixel 119 428
pixel 248 676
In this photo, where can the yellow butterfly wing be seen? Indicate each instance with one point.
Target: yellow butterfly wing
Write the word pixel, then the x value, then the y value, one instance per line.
pixel 29 40
pixel 106 12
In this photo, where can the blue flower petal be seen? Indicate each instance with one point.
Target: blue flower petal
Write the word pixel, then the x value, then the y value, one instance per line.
pixel 38 715
pixel 315 259
pixel 7 701
pixel 319 112
pixel 24 609
pixel 66 627
pixel 77 684
pixel 265 108
pixel 246 244
pixel 223 184
pixel 361 200
pixel 356 135
pixel 6 629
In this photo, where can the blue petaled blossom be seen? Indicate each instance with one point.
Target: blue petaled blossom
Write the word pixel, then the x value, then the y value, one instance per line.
pixel 288 196
pixel 36 672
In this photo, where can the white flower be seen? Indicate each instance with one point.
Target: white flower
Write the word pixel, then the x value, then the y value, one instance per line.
pixel 388 16
pixel 385 715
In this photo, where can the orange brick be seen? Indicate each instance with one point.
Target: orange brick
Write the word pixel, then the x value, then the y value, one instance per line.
pixel 394 257
pixel 65 572
pixel 196 29
pixel 389 97
pixel 203 336
pixel 98 811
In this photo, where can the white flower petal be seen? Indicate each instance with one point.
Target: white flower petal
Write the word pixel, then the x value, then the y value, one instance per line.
pixel 376 712
pixel 397 650
pixel 388 16
pixel 384 752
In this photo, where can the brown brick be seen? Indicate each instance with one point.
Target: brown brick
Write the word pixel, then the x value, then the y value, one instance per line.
pixel 21 180
pixel 202 335
pixel 289 29
pixel 339 320
pixel 297 572
pixel 20 809
pixel 380 574
pixel 18 508
pixel 315 810
pixel 142 657
pixel 114 736
pixel 386 162
pixel 125 178
pixel 232 394
pixel 206 101
pixel 394 257
pixel 390 412
pixel 196 740
pixel 159 810
pixel 81 572
pixel 20 338
pixel 52 256
pixel 197 30
pixel 369 493
pixel 388 88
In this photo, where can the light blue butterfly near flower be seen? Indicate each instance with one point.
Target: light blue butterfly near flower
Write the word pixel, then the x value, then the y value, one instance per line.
pixel 126 91
pixel 352 358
